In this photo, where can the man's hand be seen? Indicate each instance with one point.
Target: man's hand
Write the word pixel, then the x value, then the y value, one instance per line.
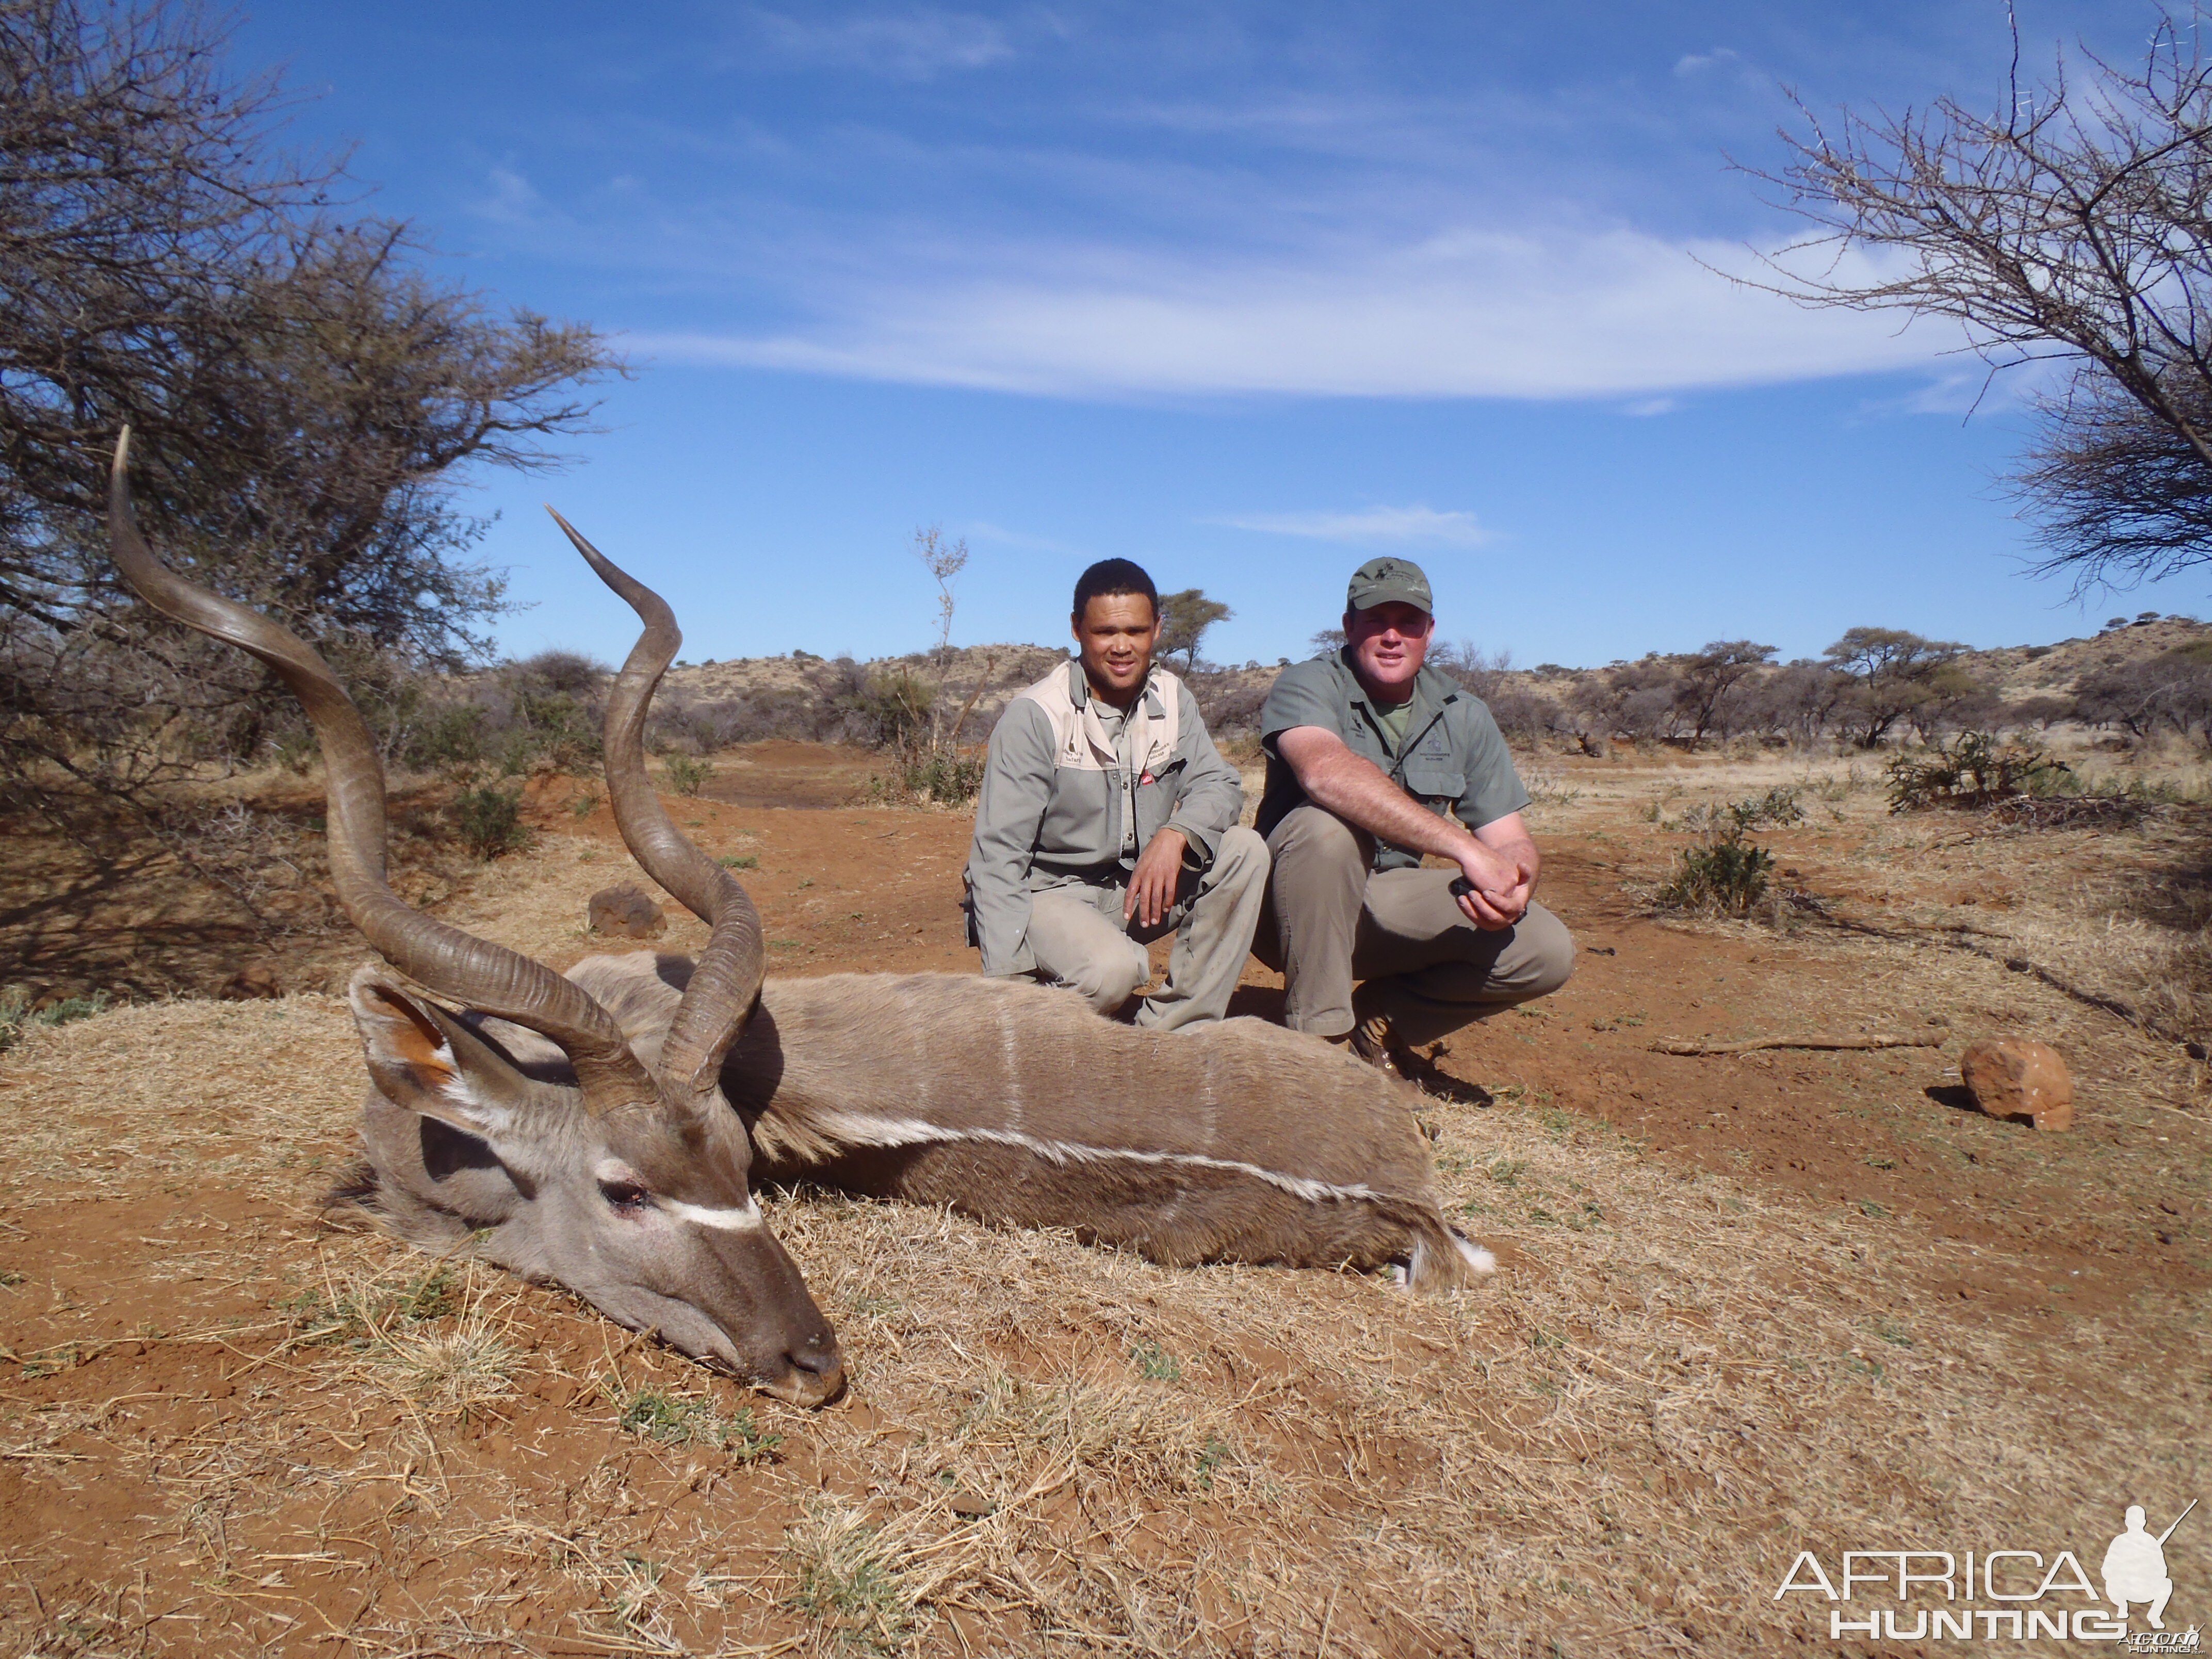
pixel 1501 866
pixel 1496 889
pixel 1153 887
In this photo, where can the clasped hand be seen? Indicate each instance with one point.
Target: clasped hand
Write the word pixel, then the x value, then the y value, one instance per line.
pixel 1502 883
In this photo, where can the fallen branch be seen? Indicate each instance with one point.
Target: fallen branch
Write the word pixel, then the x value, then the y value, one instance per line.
pixel 1688 1045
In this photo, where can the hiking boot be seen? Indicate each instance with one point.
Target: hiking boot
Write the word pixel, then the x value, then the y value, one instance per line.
pixel 1373 1041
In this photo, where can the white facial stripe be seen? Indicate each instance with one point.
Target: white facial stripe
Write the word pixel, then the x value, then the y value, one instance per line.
pixel 729 1221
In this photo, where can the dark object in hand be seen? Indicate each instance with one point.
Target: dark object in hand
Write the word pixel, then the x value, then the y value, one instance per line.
pixel 1461 887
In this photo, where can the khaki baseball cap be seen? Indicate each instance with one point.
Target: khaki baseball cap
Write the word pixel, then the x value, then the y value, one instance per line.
pixel 1387 580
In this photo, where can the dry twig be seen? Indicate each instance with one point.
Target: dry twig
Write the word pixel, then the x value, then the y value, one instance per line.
pixel 1692 1046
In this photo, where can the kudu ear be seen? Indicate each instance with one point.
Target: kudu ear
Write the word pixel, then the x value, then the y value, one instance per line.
pixel 421 1058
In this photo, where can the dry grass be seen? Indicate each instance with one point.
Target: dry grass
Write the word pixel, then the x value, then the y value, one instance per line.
pixel 288 1441
pixel 2116 913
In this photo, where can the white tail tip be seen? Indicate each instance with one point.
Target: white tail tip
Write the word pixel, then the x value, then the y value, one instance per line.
pixel 1478 1260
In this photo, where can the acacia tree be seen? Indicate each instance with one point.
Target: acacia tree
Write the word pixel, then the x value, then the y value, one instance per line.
pixel 1891 673
pixel 2074 224
pixel 1710 676
pixel 302 391
pixel 1185 616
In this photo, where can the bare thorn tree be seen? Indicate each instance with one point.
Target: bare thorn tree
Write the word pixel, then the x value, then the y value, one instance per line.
pixel 2075 224
pixel 944 560
pixel 304 393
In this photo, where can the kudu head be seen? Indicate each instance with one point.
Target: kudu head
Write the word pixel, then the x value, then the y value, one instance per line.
pixel 621 1174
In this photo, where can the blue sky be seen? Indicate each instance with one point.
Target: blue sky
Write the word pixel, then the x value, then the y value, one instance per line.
pixel 1249 292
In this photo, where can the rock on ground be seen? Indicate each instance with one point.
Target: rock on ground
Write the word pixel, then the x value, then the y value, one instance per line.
pixel 2011 1077
pixel 624 911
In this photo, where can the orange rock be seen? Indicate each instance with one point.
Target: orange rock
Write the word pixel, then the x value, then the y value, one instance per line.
pixel 2011 1077
pixel 624 911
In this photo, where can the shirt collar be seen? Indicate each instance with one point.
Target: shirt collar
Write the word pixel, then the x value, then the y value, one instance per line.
pixel 1078 687
pixel 1432 690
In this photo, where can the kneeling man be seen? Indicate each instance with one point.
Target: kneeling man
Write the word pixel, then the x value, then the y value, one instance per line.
pixel 1368 752
pixel 1108 819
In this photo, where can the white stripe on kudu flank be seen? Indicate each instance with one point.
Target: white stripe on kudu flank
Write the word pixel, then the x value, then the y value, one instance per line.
pixel 729 1221
pixel 854 1130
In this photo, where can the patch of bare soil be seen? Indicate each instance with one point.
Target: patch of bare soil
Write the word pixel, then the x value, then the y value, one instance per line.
pixel 778 773
pixel 1747 1305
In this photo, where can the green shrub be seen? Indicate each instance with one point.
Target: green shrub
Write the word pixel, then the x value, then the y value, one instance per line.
pixel 1726 876
pixel 687 776
pixel 946 776
pixel 1974 770
pixel 889 710
pixel 450 737
pixel 1779 806
pixel 489 821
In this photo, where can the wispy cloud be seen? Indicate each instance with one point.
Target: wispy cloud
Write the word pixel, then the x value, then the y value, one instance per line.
pixel 511 199
pixel 1421 525
pixel 913 45
pixel 1513 313
pixel 983 530
pixel 1691 63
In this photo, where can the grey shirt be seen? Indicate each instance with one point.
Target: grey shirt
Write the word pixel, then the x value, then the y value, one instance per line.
pixel 1454 759
pixel 1067 796
pixel 1116 724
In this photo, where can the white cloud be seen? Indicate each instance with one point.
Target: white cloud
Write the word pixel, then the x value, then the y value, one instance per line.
pixel 1414 525
pixel 1691 63
pixel 907 45
pixel 1645 407
pixel 514 200
pixel 1508 314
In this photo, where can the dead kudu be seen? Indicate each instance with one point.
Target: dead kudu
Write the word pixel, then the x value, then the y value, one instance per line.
pixel 603 1129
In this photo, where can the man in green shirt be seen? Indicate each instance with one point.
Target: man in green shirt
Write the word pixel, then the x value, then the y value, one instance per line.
pixel 1371 756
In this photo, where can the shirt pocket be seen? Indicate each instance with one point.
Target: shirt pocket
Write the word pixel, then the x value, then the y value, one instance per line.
pixel 1433 778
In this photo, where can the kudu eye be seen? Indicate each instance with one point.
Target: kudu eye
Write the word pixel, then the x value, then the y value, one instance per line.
pixel 626 1197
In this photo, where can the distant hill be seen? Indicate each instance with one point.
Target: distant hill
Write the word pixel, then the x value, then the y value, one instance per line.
pixel 826 699
pixel 2021 670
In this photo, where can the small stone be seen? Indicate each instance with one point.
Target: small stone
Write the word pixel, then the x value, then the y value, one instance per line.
pixel 623 911
pixel 2011 1077
pixel 969 1506
pixel 255 981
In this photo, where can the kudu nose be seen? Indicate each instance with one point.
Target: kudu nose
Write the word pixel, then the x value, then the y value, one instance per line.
pixel 818 1368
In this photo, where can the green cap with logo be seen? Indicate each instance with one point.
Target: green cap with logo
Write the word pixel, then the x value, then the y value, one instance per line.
pixel 1387 580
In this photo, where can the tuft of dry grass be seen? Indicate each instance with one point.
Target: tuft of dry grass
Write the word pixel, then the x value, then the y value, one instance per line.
pixel 856 1583
pixel 453 1369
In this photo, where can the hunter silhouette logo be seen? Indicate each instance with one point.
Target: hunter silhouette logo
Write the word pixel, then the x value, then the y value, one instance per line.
pixel 2135 1566
pixel 2025 1595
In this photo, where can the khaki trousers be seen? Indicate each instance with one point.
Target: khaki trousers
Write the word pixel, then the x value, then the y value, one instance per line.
pixel 1329 921
pixel 1080 940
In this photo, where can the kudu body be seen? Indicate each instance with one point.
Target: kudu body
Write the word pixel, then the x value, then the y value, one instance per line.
pixel 604 1129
